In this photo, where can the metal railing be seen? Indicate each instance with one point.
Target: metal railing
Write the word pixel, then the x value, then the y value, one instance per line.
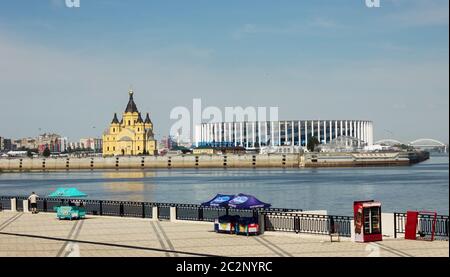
pixel 200 213
pixel 426 223
pixel 308 223
pixel 5 202
pixel 140 209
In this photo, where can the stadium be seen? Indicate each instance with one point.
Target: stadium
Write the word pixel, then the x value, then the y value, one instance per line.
pixel 258 134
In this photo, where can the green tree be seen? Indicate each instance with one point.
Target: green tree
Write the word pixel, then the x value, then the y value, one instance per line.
pixel 46 152
pixel 313 142
pixel 29 153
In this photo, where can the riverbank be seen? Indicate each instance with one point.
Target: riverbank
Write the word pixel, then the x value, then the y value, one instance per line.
pixel 423 186
pixel 215 161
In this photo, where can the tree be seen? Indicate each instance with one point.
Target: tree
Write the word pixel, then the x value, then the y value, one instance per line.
pixel 29 153
pixel 46 152
pixel 313 142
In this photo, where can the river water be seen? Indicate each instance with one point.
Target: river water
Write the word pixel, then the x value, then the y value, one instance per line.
pixel 424 186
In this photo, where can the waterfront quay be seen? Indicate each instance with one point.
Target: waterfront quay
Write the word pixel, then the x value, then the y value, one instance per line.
pixel 36 235
pixel 216 161
pixel 124 228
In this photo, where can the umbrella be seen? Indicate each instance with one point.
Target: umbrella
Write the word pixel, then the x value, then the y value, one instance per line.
pixel 246 201
pixel 67 193
pixel 220 200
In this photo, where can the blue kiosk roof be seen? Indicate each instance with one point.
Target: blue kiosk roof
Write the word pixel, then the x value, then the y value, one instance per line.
pixel 240 201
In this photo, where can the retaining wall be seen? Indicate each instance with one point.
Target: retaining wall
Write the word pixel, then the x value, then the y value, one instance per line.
pixel 176 161
pixel 215 161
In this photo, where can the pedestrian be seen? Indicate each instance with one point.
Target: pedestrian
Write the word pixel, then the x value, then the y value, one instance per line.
pixel 33 202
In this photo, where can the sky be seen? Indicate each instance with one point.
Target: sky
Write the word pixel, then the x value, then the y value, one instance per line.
pixel 68 70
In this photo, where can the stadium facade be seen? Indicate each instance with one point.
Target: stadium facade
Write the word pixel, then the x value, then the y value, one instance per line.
pixel 259 134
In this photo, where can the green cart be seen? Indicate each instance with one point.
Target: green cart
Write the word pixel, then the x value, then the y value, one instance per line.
pixel 74 209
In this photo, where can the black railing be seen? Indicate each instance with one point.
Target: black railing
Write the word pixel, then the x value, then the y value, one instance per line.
pixel 19 203
pixel 5 202
pixel 425 225
pixel 200 213
pixel 139 209
pixel 308 223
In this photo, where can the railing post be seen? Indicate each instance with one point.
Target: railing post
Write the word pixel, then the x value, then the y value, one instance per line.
pixel 44 208
pixel 200 214
pixel 155 213
pixel 446 228
pixel 101 207
pixel 297 224
pixel 255 213
pixel 14 204
pixel 121 209
pixel 262 222
pixel 143 210
pixel 25 206
pixel 395 225
pixel 173 214
pixel 331 228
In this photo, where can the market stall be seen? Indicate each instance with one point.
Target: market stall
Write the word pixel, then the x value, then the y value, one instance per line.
pixel 69 209
pixel 236 224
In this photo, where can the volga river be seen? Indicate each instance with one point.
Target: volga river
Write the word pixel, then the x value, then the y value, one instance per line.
pixel 424 186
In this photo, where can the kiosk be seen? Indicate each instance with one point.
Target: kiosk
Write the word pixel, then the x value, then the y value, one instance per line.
pixel 69 209
pixel 367 218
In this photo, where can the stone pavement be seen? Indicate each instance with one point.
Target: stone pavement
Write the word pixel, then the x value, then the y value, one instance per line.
pixel 24 234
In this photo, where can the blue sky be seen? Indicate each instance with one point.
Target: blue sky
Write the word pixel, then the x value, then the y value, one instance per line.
pixel 68 70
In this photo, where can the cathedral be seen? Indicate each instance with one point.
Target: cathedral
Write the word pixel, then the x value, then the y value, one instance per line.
pixel 131 135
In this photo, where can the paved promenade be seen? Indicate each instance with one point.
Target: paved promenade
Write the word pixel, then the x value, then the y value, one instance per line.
pixel 24 234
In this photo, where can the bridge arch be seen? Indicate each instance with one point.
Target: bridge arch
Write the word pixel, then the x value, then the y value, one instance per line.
pixel 427 142
pixel 388 141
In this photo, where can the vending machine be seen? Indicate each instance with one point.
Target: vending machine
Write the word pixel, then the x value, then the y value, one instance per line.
pixel 367 218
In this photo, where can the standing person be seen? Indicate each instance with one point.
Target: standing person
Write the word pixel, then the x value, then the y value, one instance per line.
pixel 33 202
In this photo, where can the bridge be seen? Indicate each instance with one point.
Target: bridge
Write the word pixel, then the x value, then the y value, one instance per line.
pixel 422 143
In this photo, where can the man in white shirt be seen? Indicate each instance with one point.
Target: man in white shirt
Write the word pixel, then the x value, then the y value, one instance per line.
pixel 33 202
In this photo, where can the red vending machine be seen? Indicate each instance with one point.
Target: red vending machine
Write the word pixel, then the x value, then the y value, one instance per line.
pixel 367 218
